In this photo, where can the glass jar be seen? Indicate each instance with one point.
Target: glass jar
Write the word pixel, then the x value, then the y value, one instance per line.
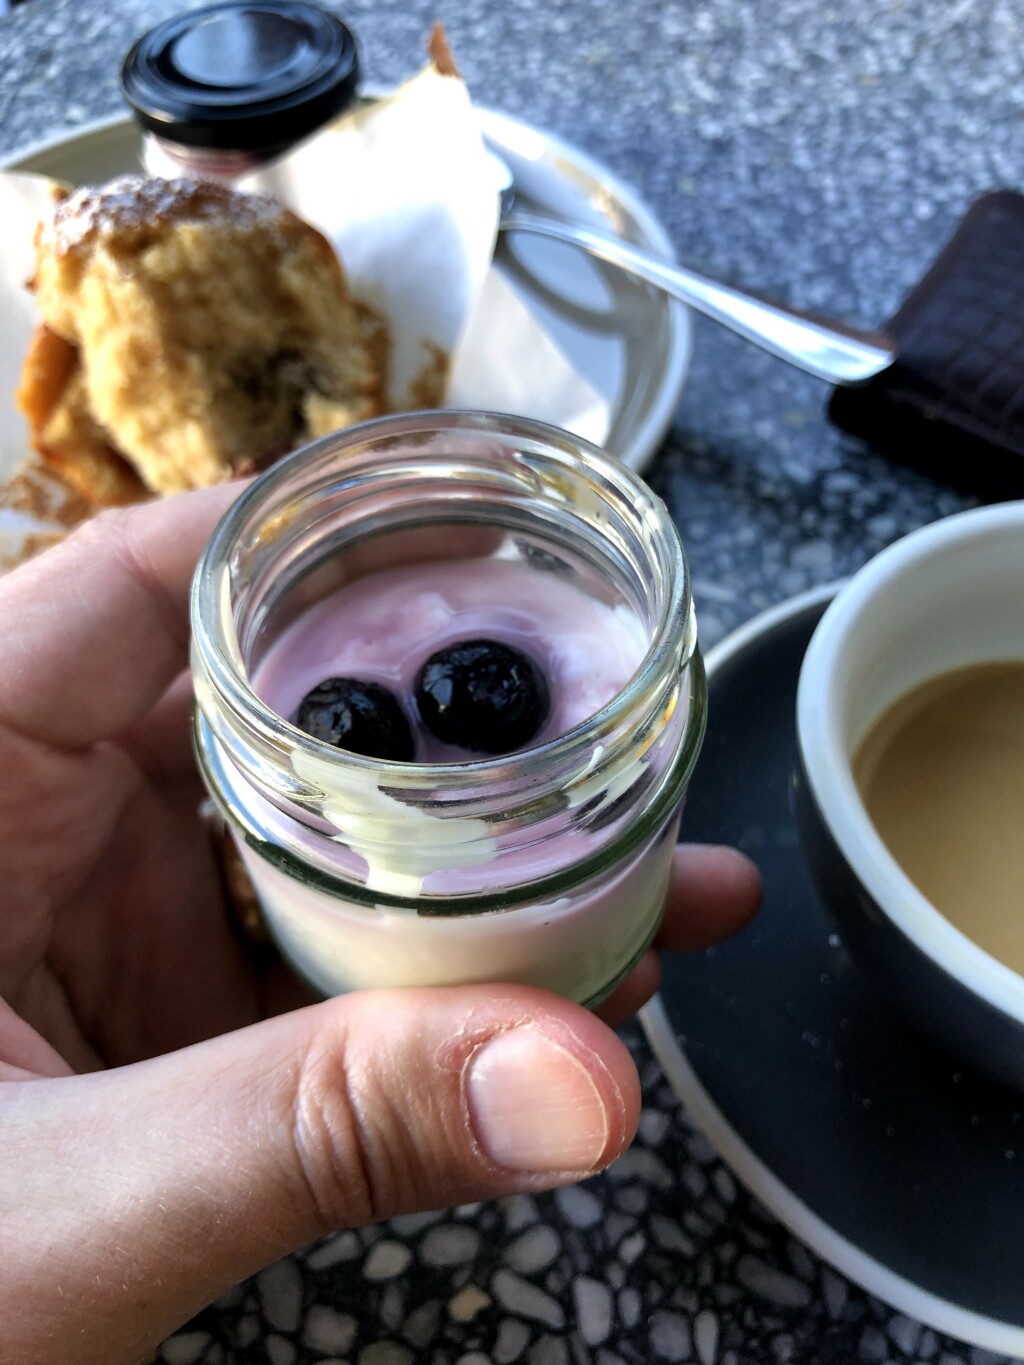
pixel 220 91
pixel 547 866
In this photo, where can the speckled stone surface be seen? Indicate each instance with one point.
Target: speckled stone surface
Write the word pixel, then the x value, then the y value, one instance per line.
pixel 821 153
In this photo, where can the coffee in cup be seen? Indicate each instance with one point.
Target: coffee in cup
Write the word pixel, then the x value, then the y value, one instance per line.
pixel 941 775
pixel 898 688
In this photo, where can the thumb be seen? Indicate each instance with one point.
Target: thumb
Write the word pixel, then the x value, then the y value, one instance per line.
pixel 139 1195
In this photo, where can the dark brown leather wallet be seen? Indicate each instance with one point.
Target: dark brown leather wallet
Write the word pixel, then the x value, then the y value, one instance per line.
pixel 952 406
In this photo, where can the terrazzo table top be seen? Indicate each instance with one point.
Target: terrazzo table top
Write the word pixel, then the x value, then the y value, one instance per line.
pixel 821 153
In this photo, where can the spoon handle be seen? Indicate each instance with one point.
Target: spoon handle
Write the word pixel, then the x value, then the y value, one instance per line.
pixel 829 350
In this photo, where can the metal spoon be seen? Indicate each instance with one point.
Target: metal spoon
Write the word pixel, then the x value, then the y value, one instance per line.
pixel 829 350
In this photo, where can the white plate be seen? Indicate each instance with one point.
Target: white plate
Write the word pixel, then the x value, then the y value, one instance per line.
pixel 630 341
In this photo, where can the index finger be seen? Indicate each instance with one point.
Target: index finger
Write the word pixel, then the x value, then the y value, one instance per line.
pixel 93 631
pixel 713 893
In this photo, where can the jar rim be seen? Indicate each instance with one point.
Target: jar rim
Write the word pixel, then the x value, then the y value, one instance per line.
pixel 221 659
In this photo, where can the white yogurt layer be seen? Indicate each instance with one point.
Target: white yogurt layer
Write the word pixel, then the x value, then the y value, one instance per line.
pixel 575 945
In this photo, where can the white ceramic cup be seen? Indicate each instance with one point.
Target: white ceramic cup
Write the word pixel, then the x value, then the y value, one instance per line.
pixel 947 596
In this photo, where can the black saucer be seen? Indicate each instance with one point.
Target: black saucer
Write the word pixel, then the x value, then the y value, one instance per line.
pixel 894 1163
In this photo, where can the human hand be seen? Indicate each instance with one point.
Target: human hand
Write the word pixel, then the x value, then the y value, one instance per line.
pixel 170 1119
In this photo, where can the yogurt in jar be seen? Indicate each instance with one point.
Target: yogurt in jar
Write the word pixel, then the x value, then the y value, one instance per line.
pixel 382 629
pixel 447 861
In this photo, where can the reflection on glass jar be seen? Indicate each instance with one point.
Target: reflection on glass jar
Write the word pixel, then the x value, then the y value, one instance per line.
pixel 546 865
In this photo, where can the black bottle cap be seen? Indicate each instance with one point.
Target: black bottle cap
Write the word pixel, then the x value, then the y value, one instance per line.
pixel 247 75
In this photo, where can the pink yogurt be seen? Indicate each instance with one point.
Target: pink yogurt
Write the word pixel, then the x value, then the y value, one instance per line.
pixel 384 627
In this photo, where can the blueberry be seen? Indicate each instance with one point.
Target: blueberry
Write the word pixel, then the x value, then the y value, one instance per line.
pixel 483 696
pixel 362 717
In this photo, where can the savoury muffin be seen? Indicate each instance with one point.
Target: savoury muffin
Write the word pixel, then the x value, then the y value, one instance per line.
pixel 190 333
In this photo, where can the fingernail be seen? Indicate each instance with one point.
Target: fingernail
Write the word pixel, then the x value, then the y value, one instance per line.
pixel 534 1105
